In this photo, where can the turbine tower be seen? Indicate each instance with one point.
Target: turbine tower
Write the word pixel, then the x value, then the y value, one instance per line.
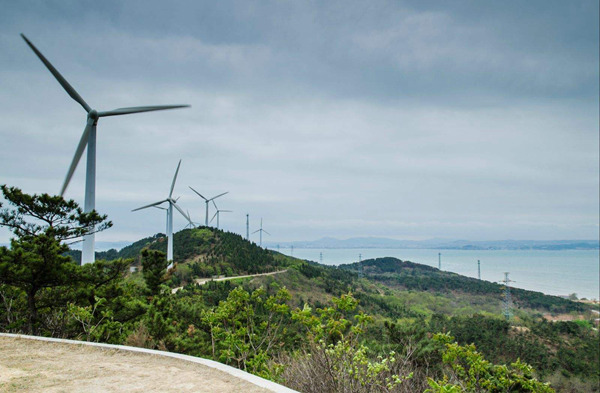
pixel 207 202
pixel 217 213
pixel 507 299
pixel 172 204
pixel 261 230
pixel 247 227
pixel 88 139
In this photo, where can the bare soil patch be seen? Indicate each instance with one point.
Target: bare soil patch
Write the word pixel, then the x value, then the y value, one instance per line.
pixel 36 366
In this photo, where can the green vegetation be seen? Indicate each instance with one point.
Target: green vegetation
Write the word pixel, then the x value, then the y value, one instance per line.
pixel 315 328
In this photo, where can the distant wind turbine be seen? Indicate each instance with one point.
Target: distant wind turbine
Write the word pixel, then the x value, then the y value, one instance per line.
pixel 172 204
pixel 88 138
pixel 261 230
pixel 190 224
pixel 207 202
pixel 217 213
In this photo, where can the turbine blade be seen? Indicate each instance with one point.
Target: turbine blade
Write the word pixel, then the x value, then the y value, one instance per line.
pixel 63 82
pixel 258 230
pixel 150 205
pixel 174 179
pixel 80 148
pixel 218 196
pixel 226 211
pixel 266 232
pixel 180 210
pixel 213 201
pixel 200 195
pixel 211 220
pixel 139 109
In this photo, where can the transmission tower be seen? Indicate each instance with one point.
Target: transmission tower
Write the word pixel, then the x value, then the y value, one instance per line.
pixel 478 269
pixel 360 267
pixel 507 301
pixel 292 247
pixel 247 227
pixel 439 260
pixel 321 258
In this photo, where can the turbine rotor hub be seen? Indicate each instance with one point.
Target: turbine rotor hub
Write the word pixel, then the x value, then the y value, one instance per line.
pixel 93 114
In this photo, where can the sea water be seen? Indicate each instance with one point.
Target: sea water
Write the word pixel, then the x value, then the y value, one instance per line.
pixel 560 272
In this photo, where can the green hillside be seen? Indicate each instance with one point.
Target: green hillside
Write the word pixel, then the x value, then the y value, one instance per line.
pixel 407 304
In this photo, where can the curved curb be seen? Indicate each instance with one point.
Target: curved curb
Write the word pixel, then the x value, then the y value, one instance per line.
pixel 243 375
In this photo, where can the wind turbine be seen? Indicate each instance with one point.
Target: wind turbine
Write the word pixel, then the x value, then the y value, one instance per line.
pixel 207 201
pixel 261 230
pixel 172 204
pixel 191 224
pixel 217 213
pixel 88 138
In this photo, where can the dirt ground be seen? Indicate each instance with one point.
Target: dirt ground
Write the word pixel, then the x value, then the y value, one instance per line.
pixel 37 366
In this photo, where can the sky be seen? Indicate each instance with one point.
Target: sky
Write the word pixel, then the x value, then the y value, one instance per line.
pixel 403 119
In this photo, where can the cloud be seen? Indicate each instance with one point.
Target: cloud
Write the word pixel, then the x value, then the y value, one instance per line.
pixel 326 119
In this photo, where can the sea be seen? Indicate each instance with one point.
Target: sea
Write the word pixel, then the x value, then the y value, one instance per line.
pixel 556 272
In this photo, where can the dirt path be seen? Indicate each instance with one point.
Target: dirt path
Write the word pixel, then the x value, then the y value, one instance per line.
pixel 202 281
pixel 38 366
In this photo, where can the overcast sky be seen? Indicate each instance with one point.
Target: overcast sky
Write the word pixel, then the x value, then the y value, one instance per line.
pixel 403 119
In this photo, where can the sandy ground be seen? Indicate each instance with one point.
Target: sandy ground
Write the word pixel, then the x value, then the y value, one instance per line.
pixel 36 366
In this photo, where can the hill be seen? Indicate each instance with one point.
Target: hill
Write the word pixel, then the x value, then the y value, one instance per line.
pixel 409 303
pixel 207 251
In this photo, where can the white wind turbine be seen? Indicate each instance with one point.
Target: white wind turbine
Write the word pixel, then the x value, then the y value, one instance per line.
pixel 217 213
pixel 172 204
pixel 207 202
pixel 190 224
pixel 261 230
pixel 88 138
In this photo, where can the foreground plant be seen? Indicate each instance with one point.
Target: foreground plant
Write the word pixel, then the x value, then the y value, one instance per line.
pixel 470 372
pixel 335 360
pixel 245 328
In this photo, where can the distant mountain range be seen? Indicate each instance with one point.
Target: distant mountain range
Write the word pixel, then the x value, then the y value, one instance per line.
pixel 378 242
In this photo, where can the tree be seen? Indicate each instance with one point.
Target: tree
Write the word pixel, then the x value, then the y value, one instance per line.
pixel 246 328
pixel 336 361
pixel 154 269
pixel 43 226
pixel 471 373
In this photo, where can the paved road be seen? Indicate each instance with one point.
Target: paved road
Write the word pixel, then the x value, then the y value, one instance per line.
pixel 202 281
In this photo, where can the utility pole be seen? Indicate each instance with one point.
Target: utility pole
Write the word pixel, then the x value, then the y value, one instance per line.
pixel 321 258
pixel 247 227
pixel 507 301
pixel 478 269
pixel 439 260
pixel 360 267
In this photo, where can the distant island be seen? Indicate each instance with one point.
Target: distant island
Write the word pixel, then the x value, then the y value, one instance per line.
pixel 379 242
